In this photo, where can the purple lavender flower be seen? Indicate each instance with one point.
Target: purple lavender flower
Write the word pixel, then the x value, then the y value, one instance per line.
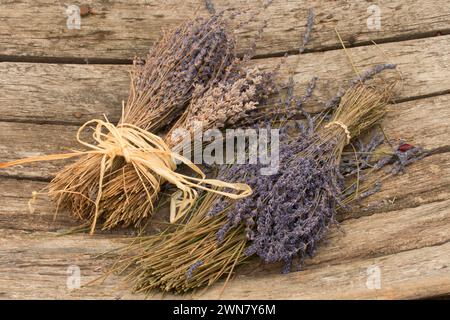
pixel 309 27
pixel 291 211
pixel 192 268
pixel 210 6
pixel 365 76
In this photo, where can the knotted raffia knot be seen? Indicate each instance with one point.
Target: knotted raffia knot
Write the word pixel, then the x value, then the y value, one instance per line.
pixel 132 143
pixel 153 161
pixel 343 126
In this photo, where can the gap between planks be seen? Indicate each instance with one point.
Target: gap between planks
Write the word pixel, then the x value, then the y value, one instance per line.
pixel 74 94
pixel 124 29
pixel 425 277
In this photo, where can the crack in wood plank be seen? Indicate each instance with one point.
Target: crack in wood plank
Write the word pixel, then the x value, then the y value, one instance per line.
pixel 123 29
pixel 413 121
pixel 74 94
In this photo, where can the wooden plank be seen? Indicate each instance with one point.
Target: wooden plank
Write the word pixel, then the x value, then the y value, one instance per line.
pixel 410 247
pixel 21 140
pixel 415 121
pixel 19 213
pixel 61 93
pixel 381 234
pixel 419 121
pixel 385 234
pixel 427 181
pixel 55 93
pixel 423 182
pixel 333 68
pixel 123 29
pixel 428 172
pixel 407 275
pixel 43 262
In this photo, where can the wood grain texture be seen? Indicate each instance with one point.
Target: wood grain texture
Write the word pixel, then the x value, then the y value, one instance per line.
pixel 402 230
pixel 397 242
pixel 35 265
pixel 414 121
pixel 407 275
pixel 56 93
pixel 122 29
pixel 36 140
pixel 74 94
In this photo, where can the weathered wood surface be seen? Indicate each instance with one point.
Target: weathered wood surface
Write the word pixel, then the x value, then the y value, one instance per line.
pixel 62 93
pixel 123 29
pixel 403 229
pixel 409 245
pixel 379 239
pixel 404 275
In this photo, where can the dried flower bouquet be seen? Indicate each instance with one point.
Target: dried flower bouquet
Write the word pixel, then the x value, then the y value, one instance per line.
pixel 119 179
pixel 283 220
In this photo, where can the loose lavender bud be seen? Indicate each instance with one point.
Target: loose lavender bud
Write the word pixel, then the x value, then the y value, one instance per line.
pixel 334 102
pixel 406 158
pixel 310 89
pixel 371 191
pixel 287 221
pixel 383 162
pixel 371 72
pixel 210 6
pixel 309 27
pixel 192 268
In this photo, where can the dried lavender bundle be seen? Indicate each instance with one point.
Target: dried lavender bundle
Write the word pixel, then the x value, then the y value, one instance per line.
pixel 302 203
pixel 200 233
pixel 193 54
pixel 214 106
pixel 284 218
pixel 229 100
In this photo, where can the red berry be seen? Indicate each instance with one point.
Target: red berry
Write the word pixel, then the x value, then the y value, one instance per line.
pixel 405 147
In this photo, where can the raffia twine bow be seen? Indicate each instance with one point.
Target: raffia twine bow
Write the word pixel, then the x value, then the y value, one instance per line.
pixel 151 157
pixel 344 127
